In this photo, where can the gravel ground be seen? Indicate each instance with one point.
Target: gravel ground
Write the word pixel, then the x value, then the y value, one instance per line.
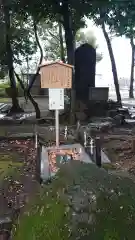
pixel 118 145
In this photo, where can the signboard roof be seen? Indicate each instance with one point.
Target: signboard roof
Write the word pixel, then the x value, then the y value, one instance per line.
pixel 54 63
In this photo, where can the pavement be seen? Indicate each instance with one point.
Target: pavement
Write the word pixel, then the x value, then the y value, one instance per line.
pixel 42 103
pixel 28 107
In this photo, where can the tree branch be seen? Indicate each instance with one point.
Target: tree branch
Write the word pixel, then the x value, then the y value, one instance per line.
pixel 37 40
pixel 26 93
pixel 21 83
pixel 52 35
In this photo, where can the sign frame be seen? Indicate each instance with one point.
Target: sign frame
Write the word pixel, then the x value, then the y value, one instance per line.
pixel 56 75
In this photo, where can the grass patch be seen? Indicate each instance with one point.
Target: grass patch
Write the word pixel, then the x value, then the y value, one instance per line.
pixel 46 220
pixel 46 217
pixel 5 100
pixel 4 85
pixel 83 202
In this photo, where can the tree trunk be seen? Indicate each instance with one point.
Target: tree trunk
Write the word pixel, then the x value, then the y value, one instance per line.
pixel 114 69
pixel 34 103
pixel 131 88
pixel 62 53
pixel 41 57
pixel 69 39
pixel 15 103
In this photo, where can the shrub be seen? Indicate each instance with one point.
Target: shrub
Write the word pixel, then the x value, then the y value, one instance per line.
pixel 3 93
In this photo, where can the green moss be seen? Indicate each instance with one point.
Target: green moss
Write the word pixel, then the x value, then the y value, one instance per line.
pixel 109 166
pixel 9 157
pixel 8 168
pixel 8 164
pixel 3 132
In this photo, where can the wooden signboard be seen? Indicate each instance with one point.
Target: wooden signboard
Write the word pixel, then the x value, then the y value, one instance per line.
pixel 56 75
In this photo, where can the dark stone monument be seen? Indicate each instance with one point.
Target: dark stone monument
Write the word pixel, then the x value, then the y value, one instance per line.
pixel 85 68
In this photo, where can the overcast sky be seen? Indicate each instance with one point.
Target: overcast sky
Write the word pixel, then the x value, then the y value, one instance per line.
pixel 122 53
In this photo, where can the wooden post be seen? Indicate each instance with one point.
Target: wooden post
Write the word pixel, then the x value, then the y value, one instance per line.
pixel 57 127
pixel 98 151
pixel 38 162
pixel 36 136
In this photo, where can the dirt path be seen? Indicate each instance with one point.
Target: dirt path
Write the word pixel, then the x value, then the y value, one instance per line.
pixel 19 181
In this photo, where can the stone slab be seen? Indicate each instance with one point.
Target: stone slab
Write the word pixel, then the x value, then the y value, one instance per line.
pixel 104 157
pixel 45 169
pixel 83 156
